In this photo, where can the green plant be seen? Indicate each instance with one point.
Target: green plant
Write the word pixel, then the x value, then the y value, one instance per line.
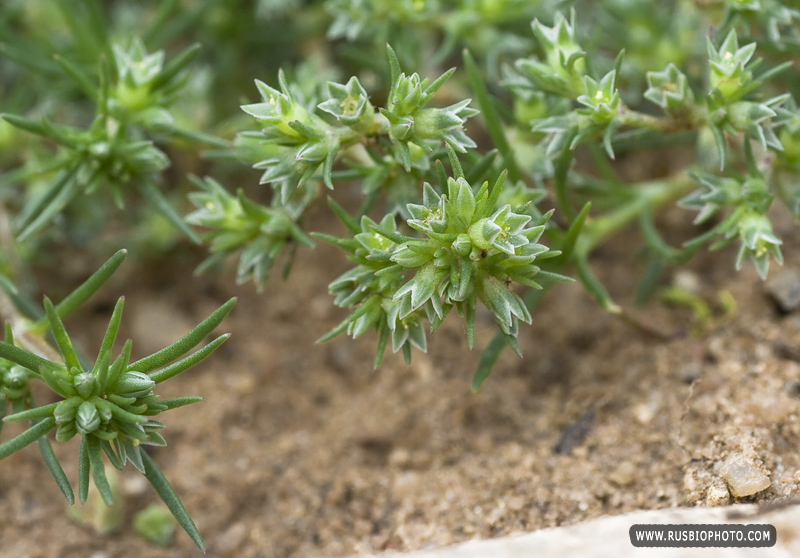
pixel 459 203
pixel 109 403
pixel 568 105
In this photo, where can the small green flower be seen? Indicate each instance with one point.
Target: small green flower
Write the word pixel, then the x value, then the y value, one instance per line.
pixel 410 121
pixel 669 89
pixel 350 105
pixel 563 70
pixel 601 99
pixel 239 225
pixel 730 66
pixel 757 243
pixel 716 192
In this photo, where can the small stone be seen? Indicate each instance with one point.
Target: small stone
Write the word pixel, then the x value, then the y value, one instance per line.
pixel 687 280
pixel 743 477
pixel 785 290
pixel 624 475
pixel 399 457
pixel 516 503
pixel 717 494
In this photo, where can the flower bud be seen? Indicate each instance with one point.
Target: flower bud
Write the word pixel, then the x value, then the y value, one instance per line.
pixel 462 245
pixel 87 419
pixel 15 380
pixel 135 384
pixel 66 431
pixel 413 254
pixel 483 232
pixel 84 383
pixel 65 411
pixel 745 115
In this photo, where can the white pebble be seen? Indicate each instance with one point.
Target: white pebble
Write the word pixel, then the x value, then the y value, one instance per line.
pixel 743 477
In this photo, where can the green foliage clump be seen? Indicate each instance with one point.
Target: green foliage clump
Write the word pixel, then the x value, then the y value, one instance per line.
pixel 536 107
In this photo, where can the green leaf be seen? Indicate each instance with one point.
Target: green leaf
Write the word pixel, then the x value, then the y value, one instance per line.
pixel 174 66
pixel 23 123
pixel 28 437
pixel 25 358
pixel 83 470
pixel 180 401
pixel 76 298
pixel 53 465
pixel 488 359
pixel 78 76
pixel 63 188
pixel 93 451
pixel 594 286
pixel 561 169
pixel 394 69
pixel 32 414
pixel 458 172
pixel 109 338
pixel 383 340
pixel 336 331
pixel 574 231
pixel 719 141
pixel 491 116
pixel 165 491
pixel 62 338
pixel 105 445
pixel 154 196
pixel 184 344
pixel 394 236
pixel 186 363
pixel 351 224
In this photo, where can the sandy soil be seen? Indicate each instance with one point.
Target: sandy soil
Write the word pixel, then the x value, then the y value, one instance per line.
pixel 304 450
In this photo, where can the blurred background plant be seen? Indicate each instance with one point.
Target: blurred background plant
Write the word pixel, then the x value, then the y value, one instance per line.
pixel 120 124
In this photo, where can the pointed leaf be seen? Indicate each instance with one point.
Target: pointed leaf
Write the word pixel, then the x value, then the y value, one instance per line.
pixel 84 468
pixel 186 363
pixel 76 298
pixel 185 343
pixel 156 478
pixel 98 469
pixel 53 465
pixel 157 199
pixel 62 338
pixel 28 437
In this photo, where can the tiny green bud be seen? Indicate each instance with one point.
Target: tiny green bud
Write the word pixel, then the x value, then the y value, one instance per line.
pixel 15 380
pixel 483 232
pixel 413 254
pixel 462 245
pixel 65 411
pixel 462 198
pixel 66 431
pixel 87 419
pixel 135 384
pixel 103 408
pixel 85 384
pixel 403 128
pixel 745 115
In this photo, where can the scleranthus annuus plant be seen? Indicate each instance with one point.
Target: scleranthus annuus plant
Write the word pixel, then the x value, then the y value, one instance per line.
pixel 110 404
pixel 472 248
pixel 536 111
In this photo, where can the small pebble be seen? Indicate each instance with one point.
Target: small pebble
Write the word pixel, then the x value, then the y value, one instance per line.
pixel 785 290
pixel 743 477
pixel 717 494
pixel 625 474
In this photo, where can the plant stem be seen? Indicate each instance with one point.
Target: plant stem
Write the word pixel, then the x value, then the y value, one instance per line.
pixel 652 194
